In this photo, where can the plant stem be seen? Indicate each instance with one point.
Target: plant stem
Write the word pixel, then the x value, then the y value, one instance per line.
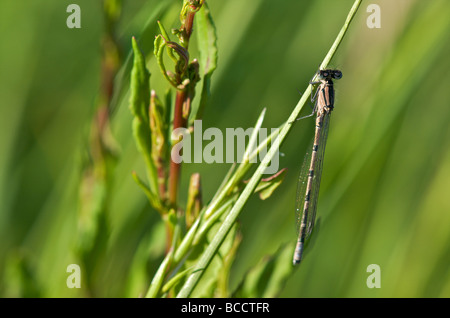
pixel 179 120
pixel 175 168
pixel 188 25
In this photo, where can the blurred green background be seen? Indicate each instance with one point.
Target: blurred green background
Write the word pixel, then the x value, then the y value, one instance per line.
pixel 384 195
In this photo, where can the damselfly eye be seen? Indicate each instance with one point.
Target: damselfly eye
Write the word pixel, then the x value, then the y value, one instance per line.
pixel 337 74
pixel 325 74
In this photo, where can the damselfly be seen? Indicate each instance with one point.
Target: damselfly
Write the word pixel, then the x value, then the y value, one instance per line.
pixel 309 181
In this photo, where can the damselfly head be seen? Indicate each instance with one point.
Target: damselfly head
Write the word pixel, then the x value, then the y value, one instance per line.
pixel 330 74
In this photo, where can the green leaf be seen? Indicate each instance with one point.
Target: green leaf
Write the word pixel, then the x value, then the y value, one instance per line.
pixel 207 44
pixel 194 200
pixel 224 275
pixel 140 85
pixel 151 197
pixel 159 45
pixel 157 282
pixel 175 280
pixel 158 51
pixel 268 185
pixel 139 103
pixel 209 222
pixel 166 36
pixel 159 128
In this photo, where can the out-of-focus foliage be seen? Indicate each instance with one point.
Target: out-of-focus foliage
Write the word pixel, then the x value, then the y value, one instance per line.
pixel 386 173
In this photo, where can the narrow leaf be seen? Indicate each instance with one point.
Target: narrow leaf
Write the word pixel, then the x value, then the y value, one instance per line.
pixel 267 186
pixel 159 46
pixel 157 282
pixel 140 85
pixel 159 130
pixel 207 44
pixel 151 197
pixel 175 280
pixel 139 101
pixel 194 201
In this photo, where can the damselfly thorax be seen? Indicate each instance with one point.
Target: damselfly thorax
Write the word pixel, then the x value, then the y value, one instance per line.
pixel 324 95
